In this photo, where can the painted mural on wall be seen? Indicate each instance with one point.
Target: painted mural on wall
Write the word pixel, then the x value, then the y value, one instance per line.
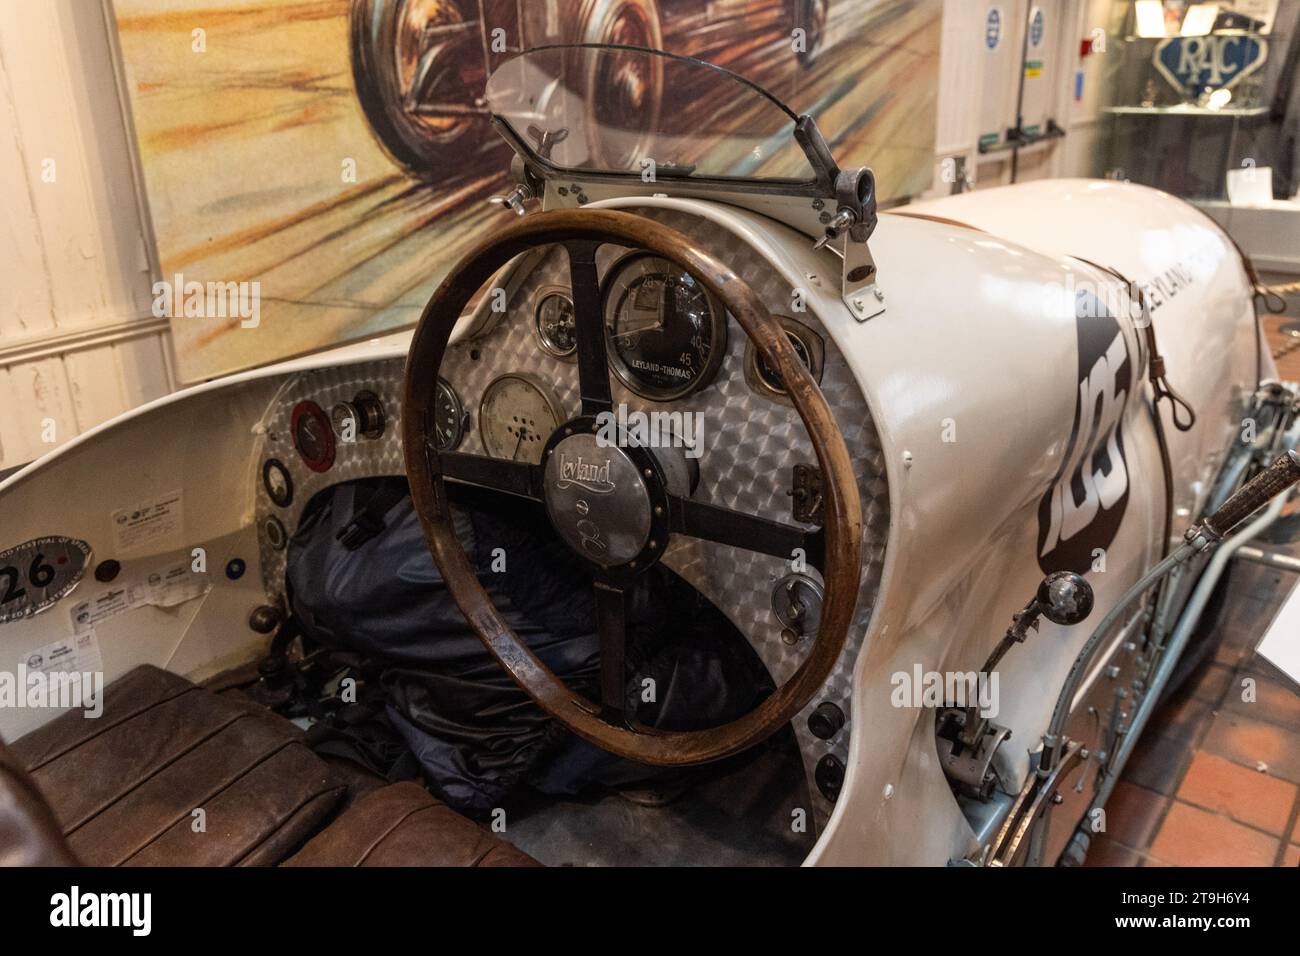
pixel 313 167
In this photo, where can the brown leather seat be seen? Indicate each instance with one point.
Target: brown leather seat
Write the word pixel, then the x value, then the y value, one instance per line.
pixel 29 834
pixel 122 790
pixel 402 825
pixel 125 787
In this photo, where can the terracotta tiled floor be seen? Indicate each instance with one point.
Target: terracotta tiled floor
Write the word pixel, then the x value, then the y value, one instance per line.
pixel 1216 779
pixel 1213 783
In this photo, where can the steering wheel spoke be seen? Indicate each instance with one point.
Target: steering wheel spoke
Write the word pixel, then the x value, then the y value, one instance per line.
pixel 593 364
pixel 611 624
pixel 707 522
pixel 520 478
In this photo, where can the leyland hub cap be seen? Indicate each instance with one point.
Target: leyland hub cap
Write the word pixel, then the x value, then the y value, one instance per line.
pixel 599 499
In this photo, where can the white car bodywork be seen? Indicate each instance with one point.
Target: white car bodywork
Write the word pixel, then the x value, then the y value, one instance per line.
pixel 962 554
pixel 971 376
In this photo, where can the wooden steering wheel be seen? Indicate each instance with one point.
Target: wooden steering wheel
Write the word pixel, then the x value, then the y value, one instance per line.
pixel 634 525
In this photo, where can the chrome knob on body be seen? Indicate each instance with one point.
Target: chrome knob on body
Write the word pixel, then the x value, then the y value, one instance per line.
pixel 514 199
pixel 1065 598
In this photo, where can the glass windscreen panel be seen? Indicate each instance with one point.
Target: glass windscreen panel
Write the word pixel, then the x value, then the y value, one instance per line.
pixel 623 110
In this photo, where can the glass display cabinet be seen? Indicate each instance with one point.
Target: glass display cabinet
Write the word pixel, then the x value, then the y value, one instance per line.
pixel 1194 90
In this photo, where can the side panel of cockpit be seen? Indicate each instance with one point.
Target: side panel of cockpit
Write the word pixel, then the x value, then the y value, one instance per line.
pixel 162 498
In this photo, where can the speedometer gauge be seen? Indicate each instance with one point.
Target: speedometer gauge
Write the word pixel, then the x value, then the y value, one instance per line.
pixel 666 336
pixel 517 416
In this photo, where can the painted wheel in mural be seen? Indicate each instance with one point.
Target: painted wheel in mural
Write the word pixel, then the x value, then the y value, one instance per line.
pixel 811 16
pixel 418 70
pixel 624 91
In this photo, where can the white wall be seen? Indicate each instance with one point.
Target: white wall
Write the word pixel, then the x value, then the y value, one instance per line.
pixel 1078 154
pixel 960 61
pixel 978 92
pixel 77 341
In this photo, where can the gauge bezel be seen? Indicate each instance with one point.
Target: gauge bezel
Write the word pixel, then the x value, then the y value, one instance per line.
pixel 549 347
pixel 308 409
pixel 717 329
pixel 814 347
pixel 462 418
pixel 276 465
pixel 547 393
pixel 274 531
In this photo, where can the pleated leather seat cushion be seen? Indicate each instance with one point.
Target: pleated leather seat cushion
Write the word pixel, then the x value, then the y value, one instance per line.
pixel 124 788
pixel 403 825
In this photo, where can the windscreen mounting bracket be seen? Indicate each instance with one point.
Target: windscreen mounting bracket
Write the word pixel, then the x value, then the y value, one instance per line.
pixel 854 221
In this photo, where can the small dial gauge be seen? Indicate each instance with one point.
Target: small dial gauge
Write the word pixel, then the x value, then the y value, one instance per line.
pixel 276 536
pixel 276 481
pixel 769 375
pixel 448 417
pixel 807 344
pixel 313 436
pixel 554 320
pixel 666 335
pixel 517 416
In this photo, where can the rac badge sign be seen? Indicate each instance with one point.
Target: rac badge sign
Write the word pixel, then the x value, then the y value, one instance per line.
pixel 1217 61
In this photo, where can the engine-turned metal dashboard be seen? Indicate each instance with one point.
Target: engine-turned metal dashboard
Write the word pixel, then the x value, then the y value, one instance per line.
pixel 503 390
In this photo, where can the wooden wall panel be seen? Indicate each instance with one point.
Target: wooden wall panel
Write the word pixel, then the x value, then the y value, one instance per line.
pixel 97 393
pixel 78 344
pixel 144 368
pixel 25 306
pixel 66 120
pixel 41 406
pixel 15 446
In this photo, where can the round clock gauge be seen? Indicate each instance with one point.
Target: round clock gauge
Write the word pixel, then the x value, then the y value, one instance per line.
pixel 807 345
pixel 517 416
pixel 276 536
